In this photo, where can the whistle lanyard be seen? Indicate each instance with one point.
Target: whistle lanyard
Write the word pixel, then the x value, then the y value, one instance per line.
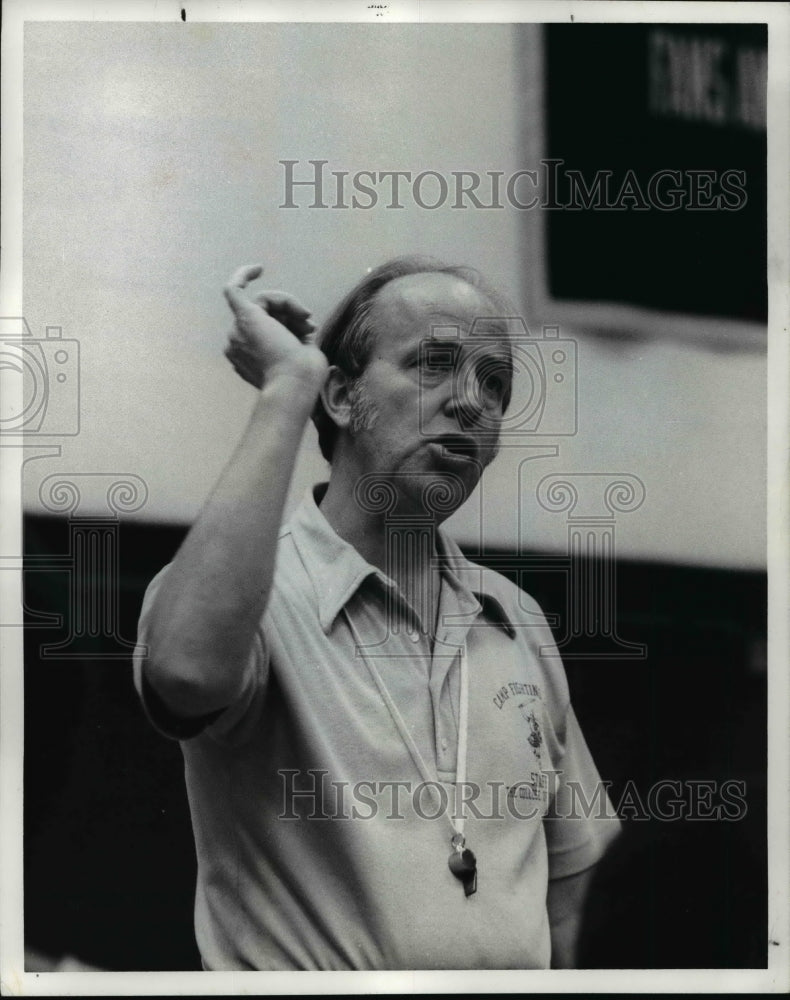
pixel 462 862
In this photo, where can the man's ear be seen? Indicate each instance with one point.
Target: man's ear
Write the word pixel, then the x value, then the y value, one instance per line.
pixel 336 396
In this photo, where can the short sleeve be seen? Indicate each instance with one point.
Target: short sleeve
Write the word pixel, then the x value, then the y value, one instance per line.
pixel 581 822
pixel 225 725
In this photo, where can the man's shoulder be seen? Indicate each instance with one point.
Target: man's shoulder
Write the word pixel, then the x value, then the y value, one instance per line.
pixel 290 567
pixel 508 593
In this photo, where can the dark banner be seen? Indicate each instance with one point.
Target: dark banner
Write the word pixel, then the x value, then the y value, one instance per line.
pixel 657 185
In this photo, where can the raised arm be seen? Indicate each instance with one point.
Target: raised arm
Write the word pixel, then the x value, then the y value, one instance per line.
pixel 202 625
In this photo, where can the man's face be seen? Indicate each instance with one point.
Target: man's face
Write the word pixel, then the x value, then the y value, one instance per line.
pixel 429 405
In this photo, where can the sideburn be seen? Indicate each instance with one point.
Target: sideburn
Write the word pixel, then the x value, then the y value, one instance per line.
pixel 364 412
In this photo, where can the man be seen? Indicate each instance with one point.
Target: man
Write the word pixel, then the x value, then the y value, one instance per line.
pixel 379 759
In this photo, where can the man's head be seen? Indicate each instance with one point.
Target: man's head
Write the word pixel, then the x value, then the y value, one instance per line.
pixel 420 376
pixel 349 335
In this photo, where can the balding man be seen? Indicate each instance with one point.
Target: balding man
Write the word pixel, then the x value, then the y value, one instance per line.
pixel 379 758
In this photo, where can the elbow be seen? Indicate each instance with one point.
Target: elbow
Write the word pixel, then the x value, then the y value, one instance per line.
pixel 189 688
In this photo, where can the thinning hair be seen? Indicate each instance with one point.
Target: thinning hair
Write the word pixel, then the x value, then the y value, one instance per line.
pixel 347 336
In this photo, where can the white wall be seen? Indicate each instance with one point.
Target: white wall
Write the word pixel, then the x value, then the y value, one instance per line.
pixel 151 172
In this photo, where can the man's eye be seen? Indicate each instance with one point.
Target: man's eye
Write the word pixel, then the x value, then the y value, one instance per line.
pixel 436 366
pixel 493 384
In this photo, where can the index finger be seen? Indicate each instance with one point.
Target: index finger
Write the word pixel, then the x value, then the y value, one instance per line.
pixel 240 279
pixel 244 274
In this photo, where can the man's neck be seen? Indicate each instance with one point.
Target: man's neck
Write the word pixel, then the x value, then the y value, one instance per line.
pixel 411 563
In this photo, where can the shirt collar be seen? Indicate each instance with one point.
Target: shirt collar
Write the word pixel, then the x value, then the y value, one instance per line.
pixel 474 579
pixel 337 570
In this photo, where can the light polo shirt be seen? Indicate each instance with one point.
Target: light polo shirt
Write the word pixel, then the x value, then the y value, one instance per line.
pixel 319 844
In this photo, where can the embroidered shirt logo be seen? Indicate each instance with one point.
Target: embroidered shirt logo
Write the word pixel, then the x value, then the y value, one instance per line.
pixel 535 738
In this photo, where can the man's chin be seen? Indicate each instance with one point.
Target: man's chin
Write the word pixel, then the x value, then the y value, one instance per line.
pixel 434 490
pixel 438 493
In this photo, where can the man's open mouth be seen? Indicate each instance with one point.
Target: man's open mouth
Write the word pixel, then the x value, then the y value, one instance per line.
pixel 458 445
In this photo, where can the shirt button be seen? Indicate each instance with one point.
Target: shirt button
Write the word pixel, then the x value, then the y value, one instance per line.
pixel 444 744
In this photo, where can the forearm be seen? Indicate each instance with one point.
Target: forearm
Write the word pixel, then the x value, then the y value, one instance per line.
pixel 564 942
pixel 203 622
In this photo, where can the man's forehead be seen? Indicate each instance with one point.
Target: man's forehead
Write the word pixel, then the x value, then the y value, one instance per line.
pixel 432 300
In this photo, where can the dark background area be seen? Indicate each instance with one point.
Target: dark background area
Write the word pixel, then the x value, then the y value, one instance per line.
pixel 109 858
pixel 599 117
